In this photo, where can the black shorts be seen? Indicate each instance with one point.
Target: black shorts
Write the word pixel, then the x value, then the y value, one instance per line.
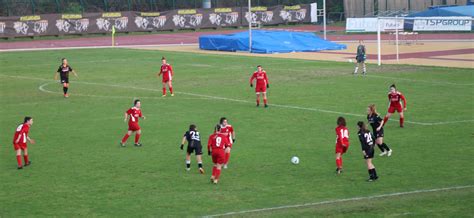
pixel 369 152
pixel 360 58
pixel 64 79
pixel 379 134
pixel 197 148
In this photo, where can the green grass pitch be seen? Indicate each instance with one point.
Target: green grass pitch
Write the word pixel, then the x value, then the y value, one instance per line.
pixel 79 169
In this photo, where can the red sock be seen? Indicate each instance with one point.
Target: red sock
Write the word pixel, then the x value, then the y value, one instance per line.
pixel 339 162
pixel 258 101
pixel 214 171
pixel 401 121
pixel 164 91
pixel 385 119
pixel 26 159
pixel 137 138
pixel 227 156
pixel 124 139
pixel 171 90
pixel 18 160
pixel 265 101
pixel 218 173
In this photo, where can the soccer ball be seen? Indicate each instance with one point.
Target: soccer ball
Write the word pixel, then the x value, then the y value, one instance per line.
pixel 295 160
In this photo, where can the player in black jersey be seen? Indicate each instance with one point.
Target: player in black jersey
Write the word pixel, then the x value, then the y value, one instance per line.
pixel 360 58
pixel 63 71
pixel 194 145
pixel 367 143
pixel 376 122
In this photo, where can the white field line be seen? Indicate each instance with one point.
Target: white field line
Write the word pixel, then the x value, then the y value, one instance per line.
pixel 92 47
pixel 240 101
pixel 43 89
pixel 395 194
pixel 422 81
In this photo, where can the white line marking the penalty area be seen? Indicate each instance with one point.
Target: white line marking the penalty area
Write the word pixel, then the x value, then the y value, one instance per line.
pixel 41 88
pixel 341 200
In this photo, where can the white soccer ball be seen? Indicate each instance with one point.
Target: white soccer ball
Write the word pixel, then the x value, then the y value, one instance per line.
pixel 350 60
pixel 295 160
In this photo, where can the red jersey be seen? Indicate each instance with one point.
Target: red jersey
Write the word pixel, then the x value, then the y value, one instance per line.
pixel 134 113
pixel 228 131
pixel 395 99
pixel 217 142
pixel 21 133
pixel 167 71
pixel 342 136
pixel 261 77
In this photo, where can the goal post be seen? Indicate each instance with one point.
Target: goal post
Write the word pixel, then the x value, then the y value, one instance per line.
pixel 419 25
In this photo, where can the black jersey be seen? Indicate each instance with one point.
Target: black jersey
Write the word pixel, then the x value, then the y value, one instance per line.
pixel 360 50
pixel 374 120
pixel 366 140
pixel 193 138
pixel 64 71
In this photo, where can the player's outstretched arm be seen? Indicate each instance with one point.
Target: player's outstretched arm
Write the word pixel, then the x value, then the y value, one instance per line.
pixel 30 140
pixel 75 74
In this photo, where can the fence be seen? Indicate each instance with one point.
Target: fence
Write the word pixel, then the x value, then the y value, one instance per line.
pixel 35 7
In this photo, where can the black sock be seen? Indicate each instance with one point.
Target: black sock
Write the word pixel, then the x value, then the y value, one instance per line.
pixel 374 172
pixel 386 146
pixel 370 173
pixel 188 165
pixel 200 165
pixel 380 147
pixel 65 90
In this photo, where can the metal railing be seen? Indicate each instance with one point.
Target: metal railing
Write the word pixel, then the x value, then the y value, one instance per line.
pixel 29 7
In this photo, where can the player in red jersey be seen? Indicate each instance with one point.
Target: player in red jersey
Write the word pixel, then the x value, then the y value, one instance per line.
pixel 133 114
pixel 228 131
pixel 394 97
pixel 261 84
pixel 63 71
pixel 167 71
pixel 20 140
pixel 342 142
pixel 216 146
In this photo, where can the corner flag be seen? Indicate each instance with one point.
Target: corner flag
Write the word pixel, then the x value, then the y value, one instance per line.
pixel 113 35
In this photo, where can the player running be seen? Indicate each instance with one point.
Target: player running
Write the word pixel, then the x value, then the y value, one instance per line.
pixel 261 84
pixel 394 97
pixel 360 58
pixel 228 131
pixel 133 114
pixel 367 143
pixel 342 142
pixel 194 145
pixel 20 140
pixel 63 71
pixel 167 72
pixel 216 146
pixel 376 122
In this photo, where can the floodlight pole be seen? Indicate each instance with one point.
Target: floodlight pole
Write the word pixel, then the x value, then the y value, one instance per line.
pixel 250 26
pixel 396 40
pixel 324 19
pixel 379 56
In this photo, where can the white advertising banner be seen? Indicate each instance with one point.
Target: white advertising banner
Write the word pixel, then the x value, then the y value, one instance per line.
pixel 370 24
pixel 442 24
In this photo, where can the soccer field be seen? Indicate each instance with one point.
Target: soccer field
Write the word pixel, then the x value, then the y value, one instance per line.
pixel 79 169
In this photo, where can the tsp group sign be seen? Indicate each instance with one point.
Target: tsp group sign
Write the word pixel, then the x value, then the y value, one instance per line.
pixel 442 24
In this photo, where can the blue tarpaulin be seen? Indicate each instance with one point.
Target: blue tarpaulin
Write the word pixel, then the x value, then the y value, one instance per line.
pixel 458 11
pixel 264 41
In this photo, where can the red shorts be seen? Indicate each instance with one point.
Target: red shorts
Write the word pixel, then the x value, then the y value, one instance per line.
pixel 218 157
pixel 394 108
pixel 261 88
pixel 341 149
pixel 133 127
pixel 21 146
pixel 166 79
